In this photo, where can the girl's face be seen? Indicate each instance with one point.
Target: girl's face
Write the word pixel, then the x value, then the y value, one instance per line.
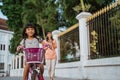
pixel 49 34
pixel 30 32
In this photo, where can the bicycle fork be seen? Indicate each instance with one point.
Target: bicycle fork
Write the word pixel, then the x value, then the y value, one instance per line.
pixel 34 72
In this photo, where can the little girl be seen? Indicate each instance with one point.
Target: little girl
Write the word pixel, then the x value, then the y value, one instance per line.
pixel 30 41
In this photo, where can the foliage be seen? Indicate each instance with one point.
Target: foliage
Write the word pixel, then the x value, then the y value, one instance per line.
pixel 12 9
pixel 73 7
pixel 97 4
pixel 116 24
pixel 15 41
pixel 42 13
pixel 13 12
pixel 69 14
pixel 93 44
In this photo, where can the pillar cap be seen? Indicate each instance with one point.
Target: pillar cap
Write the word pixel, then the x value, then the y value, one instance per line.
pixel 56 32
pixel 83 15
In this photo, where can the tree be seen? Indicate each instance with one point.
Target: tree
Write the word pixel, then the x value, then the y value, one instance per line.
pixel 97 4
pixel 44 12
pixel 12 9
pixel 73 7
pixel 69 14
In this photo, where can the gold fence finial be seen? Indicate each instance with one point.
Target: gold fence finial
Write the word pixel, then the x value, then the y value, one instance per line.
pixel 88 19
pixel 98 13
pixel 94 15
pixel 118 2
pixel 113 5
pixel 102 10
pixel 110 6
pixel 107 8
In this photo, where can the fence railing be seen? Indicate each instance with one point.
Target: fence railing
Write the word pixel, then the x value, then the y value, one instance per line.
pixel 69 45
pixel 104 32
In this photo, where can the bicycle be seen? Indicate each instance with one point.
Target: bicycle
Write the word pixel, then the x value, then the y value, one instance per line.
pixel 34 56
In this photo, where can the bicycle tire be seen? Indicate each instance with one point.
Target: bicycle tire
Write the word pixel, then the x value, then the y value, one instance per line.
pixel 34 75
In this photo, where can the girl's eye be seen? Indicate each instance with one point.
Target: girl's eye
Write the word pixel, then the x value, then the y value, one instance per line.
pixel 30 29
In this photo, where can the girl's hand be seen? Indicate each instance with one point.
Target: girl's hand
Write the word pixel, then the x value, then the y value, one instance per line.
pixel 50 46
pixel 20 48
pixel 46 46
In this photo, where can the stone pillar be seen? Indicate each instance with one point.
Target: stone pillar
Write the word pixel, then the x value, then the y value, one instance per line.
pixel 55 34
pixel 84 43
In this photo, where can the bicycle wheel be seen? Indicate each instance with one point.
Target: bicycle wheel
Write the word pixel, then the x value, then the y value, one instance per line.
pixel 34 75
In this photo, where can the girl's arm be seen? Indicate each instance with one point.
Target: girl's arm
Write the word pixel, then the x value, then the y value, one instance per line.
pixel 21 46
pixel 54 44
pixel 18 48
pixel 44 45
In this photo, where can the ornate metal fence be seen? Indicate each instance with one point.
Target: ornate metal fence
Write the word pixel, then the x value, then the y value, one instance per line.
pixel 104 32
pixel 69 45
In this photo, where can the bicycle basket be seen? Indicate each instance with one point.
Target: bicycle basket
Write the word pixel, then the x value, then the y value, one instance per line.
pixel 34 55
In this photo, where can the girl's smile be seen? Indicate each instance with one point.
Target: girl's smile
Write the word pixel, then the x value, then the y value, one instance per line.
pixel 30 32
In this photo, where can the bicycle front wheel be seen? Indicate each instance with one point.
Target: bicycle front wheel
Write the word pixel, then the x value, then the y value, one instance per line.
pixel 34 75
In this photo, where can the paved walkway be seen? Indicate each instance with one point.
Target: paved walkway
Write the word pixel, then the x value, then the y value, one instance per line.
pixel 20 78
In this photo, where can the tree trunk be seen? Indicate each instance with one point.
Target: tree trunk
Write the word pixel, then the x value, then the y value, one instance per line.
pixel 43 30
pixel 83 6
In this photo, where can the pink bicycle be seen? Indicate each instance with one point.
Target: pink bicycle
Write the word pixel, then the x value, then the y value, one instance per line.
pixel 34 56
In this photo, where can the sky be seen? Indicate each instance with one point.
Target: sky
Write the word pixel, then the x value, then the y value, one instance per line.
pixel 1 14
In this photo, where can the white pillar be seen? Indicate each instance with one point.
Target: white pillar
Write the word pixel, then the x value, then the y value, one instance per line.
pixel 83 37
pixel 13 62
pixel 55 34
pixel 19 62
pixel 16 63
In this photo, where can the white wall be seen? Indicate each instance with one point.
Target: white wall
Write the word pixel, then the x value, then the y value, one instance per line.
pixel 100 69
pixel 5 37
